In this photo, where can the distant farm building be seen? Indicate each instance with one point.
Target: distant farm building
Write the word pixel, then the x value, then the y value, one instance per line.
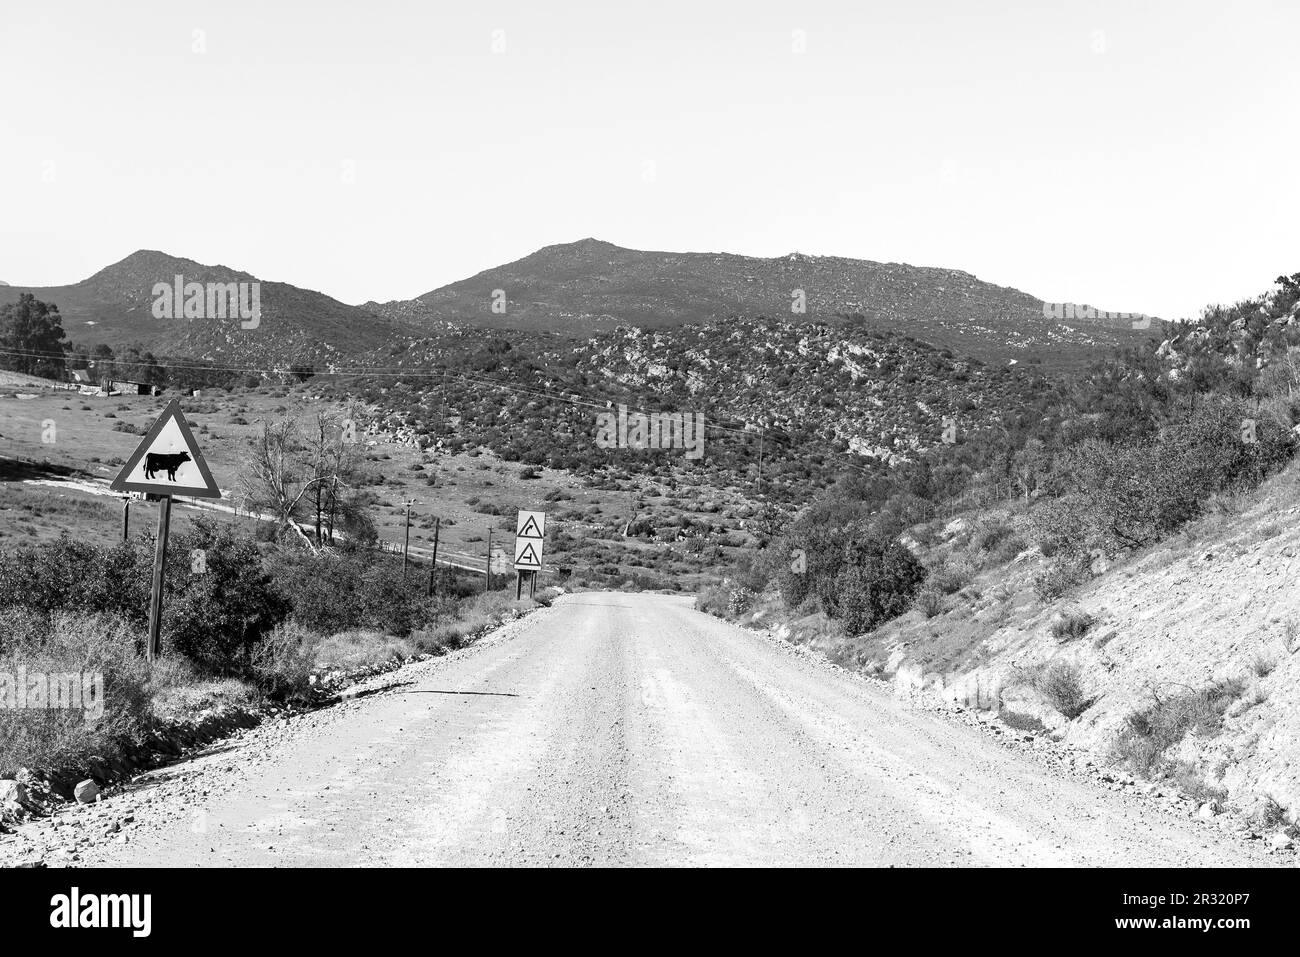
pixel 127 387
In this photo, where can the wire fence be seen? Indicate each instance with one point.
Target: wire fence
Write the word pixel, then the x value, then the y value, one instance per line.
pixel 981 496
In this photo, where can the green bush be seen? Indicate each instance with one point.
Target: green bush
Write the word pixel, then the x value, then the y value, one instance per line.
pixel 1149 734
pixel 739 601
pixel 836 553
pixel 878 582
pixel 81 644
pixel 998 539
pixel 989 535
pixel 930 602
pixel 1072 625
pixel 1127 494
pixel 714 599
pixel 949 577
pixel 280 664
pixel 1062 686
pixel 334 592
pixel 219 600
pixel 438 639
pixel 1063 574
pixel 1064 526
pixel 74 575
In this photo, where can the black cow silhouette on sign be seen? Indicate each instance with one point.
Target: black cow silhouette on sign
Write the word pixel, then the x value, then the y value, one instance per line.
pixel 156 461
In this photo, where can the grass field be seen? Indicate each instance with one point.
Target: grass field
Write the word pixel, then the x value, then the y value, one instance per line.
pixel 59 450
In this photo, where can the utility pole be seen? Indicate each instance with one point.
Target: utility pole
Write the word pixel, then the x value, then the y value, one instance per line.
pixel 334 503
pixel 487 567
pixel 433 565
pixel 760 461
pixel 406 541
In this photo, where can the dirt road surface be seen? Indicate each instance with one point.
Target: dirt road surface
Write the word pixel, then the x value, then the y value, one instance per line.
pixel 626 729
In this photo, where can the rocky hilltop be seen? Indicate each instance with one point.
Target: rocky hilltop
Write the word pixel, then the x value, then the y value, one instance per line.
pixel 593 286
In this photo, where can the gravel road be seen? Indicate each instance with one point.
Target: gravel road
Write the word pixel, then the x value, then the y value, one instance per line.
pixel 624 729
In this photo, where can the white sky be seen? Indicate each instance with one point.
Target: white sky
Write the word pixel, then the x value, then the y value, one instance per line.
pixel 1147 167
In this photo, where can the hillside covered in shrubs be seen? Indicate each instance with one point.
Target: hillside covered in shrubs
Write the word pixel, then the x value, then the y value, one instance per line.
pixel 1111 576
pixel 806 401
pixel 1114 461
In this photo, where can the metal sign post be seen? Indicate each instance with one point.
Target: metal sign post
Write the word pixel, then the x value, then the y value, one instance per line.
pixel 433 565
pixel 159 563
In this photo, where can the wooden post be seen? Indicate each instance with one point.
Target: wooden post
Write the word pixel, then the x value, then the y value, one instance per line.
pixel 487 567
pixel 433 565
pixel 334 504
pixel 126 516
pixel 159 561
pixel 406 541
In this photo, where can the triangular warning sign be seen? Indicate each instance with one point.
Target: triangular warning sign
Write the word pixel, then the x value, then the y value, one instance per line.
pixel 526 557
pixel 529 529
pixel 168 461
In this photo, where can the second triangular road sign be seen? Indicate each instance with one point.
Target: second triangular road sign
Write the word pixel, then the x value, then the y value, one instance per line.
pixel 528 554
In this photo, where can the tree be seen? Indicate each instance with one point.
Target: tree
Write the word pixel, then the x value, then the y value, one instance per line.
pixel 139 365
pixel 32 337
pixel 104 362
pixel 1030 465
pixel 295 475
pixel 331 454
pixel 877 582
pixel 78 357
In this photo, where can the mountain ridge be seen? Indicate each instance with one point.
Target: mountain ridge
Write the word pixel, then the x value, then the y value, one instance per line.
pixel 591 286
pixel 296 325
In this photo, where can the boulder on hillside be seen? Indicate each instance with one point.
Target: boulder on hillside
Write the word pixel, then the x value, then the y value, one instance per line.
pixel 86 791
pixel 12 792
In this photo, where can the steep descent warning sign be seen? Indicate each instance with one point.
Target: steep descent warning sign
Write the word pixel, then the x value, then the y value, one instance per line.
pixel 168 461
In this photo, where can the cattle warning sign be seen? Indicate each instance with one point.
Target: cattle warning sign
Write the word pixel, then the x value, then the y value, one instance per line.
pixel 168 461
